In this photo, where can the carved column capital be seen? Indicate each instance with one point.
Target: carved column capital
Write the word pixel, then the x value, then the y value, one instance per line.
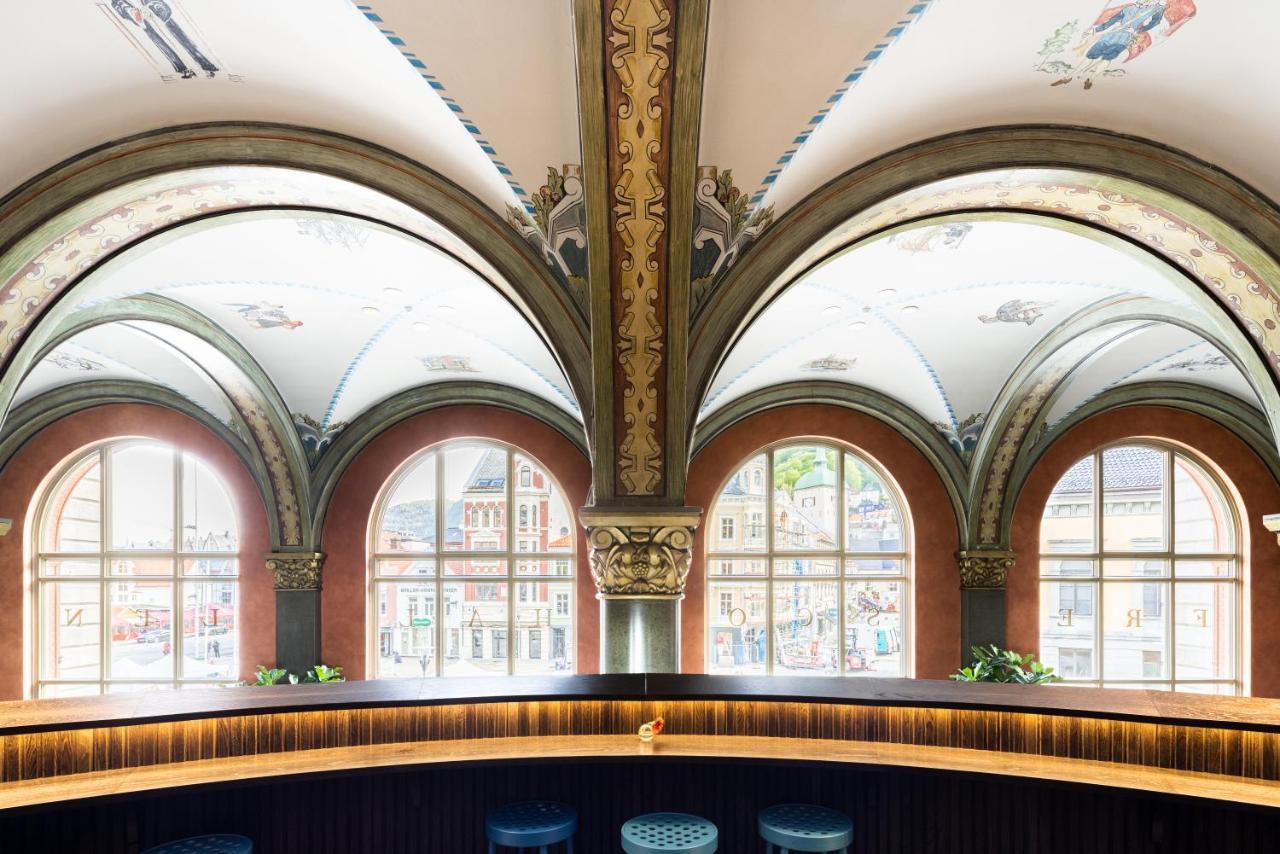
pixel 296 570
pixel 640 553
pixel 1272 523
pixel 984 569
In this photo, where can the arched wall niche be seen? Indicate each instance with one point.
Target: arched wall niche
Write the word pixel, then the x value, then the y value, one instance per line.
pixel 59 226
pixel 1256 491
pixel 936 595
pixel 25 474
pixel 345 532
pixel 1206 226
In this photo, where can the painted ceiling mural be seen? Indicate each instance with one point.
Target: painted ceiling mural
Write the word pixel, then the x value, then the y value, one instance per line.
pixel 938 316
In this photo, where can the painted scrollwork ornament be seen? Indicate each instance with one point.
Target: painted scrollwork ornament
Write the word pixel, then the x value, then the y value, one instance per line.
pixel 641 560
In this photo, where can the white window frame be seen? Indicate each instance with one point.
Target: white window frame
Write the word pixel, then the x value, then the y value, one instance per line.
pixel 839 554
pixel 1169 555
pixel 105 554
pixel 511 557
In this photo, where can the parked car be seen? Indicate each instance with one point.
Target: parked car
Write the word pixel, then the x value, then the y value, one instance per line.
pixel 154 636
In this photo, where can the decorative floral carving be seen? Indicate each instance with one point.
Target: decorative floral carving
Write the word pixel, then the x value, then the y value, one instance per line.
pixel 638 93
pixel 723 225
pixel 557 227
pixel 641 560
pixel 984 570
pixel 296 570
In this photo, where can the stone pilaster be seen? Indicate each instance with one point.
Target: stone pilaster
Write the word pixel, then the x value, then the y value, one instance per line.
pixel 639 562
pixel 983 609
pixel 298 577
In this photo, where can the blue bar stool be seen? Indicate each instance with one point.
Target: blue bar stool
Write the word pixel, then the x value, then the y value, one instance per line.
pixel 805 827
pixel 531 824
pixel 669 831
pixel 217 843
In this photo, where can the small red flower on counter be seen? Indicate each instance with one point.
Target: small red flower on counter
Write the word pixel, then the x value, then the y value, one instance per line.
pixel 658 724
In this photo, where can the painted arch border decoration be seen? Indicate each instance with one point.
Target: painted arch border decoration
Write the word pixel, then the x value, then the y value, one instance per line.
pixel 1118 186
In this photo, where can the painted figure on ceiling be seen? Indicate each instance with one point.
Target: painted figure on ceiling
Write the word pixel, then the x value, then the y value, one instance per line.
pixel 1016 311
pixel 149 16
pixel 1120 34
pixel 264 315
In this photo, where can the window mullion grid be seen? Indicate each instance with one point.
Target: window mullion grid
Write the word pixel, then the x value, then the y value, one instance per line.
pixel 511 549
pixel 1098 533
pixel 104 544
pixel 841 564
pixel 441 527
pixel 769 546
pixel 1170 523
pixel 177 591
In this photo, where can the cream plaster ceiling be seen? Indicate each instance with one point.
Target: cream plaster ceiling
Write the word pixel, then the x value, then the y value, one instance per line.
pixel 940 316
pixel 338 312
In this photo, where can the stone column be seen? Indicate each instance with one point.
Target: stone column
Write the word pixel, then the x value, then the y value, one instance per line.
pixel 639 562
pixel 297 583
pixel 983 576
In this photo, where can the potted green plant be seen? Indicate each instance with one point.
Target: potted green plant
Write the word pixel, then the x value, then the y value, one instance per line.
pixel 321 673
pixel 993 664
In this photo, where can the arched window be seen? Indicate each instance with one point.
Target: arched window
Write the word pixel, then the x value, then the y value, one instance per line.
pixel 136 574
pixel 1140 574
pixel 469 617
pixel 824 590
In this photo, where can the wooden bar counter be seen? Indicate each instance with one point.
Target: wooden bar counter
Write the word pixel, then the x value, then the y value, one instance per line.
pixel 57 754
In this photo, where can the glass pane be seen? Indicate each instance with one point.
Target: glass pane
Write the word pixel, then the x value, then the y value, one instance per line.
pixel 872 519
pixel 546 525
pixel 805 498
pixel 559 566
pixel 806 625
pixel 60 567
pixel 725 566
pixel 71 630
pixel 1067 622
pixel 74 512
pixel 1135 568
pixel 1067 524
pixel 736 627
pixel 804 566
pixel 209 630
pixel 141 629
pixel 1204 622
pixel 49 691
pixel 1220 688
pixel 406 620
pixel 1203 520
pixel 138 687
pixel 1138 686
pixel 874 630
pixel 1135 634
pixel 408 521
pixel 1073 567
pixel 737 522
pixel 475 615
pixel 141 497
pixel 480 566
pixel 211 566
pixel 864 566
pixel 208 517
pixel 475 500
pixel 142 566
pixel 544 636
pixel 1133 514
pixel 1204 568
pixel 403 567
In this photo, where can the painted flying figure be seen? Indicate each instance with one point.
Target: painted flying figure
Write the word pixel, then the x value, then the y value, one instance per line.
pixel 148 15
pixel 1016 311
pixel 1120 34
pixel 265 315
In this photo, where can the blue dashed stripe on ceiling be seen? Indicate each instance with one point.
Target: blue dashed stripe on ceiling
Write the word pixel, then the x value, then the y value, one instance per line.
pixel 434 82
pixel 895 32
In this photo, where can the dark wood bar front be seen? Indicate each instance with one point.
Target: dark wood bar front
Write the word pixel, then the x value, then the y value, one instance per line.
pixel 64 756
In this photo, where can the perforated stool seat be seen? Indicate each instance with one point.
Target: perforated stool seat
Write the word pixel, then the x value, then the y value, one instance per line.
pixel 671 832
pixel 217 843
pixel 805 827
pixel 531 824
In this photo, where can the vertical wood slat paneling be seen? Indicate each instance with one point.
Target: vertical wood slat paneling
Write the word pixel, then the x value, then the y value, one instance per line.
pixel 1219 750
pixel 440 811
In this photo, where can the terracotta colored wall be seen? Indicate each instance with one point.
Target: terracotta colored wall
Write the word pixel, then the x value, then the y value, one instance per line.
pixel 935 579
pixel 46 451
pixel 1257 490
pixel 344 600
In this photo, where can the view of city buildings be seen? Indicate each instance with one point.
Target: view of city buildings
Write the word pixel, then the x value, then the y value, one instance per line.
pixel 821 590
pixel 1140 574
pixel 132 534
pixel 498 596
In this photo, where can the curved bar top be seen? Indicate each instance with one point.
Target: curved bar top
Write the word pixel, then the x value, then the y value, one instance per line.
pixel 1251 713
pixel 1223 748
